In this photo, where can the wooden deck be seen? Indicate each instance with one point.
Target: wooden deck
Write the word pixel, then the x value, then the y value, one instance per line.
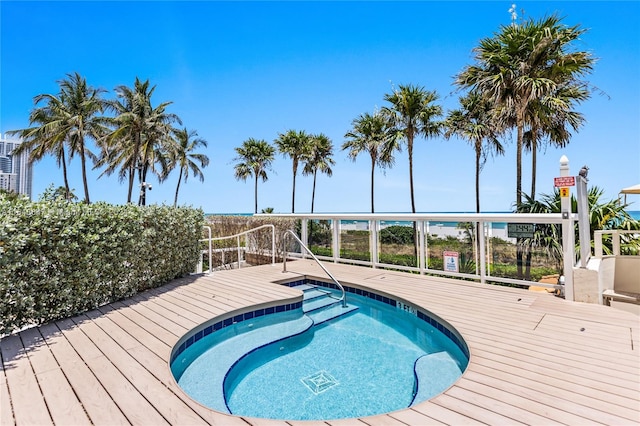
pixel 535 359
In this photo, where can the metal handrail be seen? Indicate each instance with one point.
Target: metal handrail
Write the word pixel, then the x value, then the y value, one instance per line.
pixel 237 237
pixel 284 263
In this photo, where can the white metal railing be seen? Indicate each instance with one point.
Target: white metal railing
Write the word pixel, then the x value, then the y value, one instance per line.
pixel 425 224
pixel 615 240
pixel 239 249
pixel 343 298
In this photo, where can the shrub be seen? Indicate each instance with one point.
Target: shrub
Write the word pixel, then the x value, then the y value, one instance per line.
pixel 397 234
pixel 58 259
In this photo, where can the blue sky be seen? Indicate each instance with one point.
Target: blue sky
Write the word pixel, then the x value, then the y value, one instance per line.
pixel 239 70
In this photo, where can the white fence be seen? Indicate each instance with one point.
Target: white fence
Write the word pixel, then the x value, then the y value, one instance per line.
pixel 443 225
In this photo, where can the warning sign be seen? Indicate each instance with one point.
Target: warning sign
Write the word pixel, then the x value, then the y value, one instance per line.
pixel 564 192
pixel 450 261
pixel 563 181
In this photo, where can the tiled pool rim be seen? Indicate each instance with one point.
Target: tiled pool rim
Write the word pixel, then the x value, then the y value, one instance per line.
pixel 214 325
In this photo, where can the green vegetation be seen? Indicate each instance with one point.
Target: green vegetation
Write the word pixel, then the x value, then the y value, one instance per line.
pixel 58 258
pixel 371 134
pixel 137 138
pixel 254 159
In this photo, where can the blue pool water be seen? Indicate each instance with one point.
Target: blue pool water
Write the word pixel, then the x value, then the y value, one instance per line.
pixel 373 360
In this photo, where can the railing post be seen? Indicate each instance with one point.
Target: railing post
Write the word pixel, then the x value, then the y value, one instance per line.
pixel 373 241
pixel 584 226
pixel 304 235
pixel 273 244
pixel 480 235
pixel 336 239
pixel 597 244
pixel 238 246
pixel 568 236
pixel 421 249
pixel 615 242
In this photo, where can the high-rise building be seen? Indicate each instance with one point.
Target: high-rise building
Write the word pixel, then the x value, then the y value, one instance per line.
pixel 16 171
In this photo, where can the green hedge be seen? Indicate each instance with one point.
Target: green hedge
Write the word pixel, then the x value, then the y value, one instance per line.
pixel 58 259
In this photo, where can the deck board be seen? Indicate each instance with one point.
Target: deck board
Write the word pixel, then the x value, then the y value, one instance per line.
pixel 22 384
pixel 535 359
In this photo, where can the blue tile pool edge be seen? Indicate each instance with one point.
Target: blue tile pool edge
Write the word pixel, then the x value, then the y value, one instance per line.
pixel 226 320
pixel 231 318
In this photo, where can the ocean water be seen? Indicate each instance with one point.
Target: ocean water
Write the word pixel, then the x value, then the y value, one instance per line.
pixel 635 214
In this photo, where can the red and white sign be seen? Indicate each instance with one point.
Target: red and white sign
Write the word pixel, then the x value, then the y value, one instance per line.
pixel 564 181
pixel 451 261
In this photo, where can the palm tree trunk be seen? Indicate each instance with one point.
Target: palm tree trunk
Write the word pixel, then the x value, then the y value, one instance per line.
pixel 519 185
pixel 132 174
pixel 373 167
pixel 175 201
pixel 534 152
pixel 64 176
pixel 313 191
pixel 293 191
pixel 410 151
pixel 478 154
pixel 478 230
pixel 134 166
pixel 84 172
pixel 255 195
pixel 413 203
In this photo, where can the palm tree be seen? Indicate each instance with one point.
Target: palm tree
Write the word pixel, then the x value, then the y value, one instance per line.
pixel 69 118
pixel 524 63
pixel 254 159
pixel 370 133
pixel 319 160
pixel 474 122
pixel 84 119
pixel 294 144
pixel 139 129
pixel 185 158
pixel 548 118
pixel 43 136
pixel 411 114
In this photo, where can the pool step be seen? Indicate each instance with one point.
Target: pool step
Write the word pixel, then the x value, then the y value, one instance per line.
pixel 314 293
pixel 317 303
pixel 321 304
pixel 330 312
pixel 226 353
pixel 428 384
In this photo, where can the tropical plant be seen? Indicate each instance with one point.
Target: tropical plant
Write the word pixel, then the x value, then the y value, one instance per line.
pixel 254 159
pixel 371 134
pixel 318 160
pixel 140 132
pixel 475 122
pixel 550 118
pixel 52 193
pixel 522 64
pixel 184 157
pixel 44 138
pixel 603 215
pixel 296 145
pixel 412 113
pixel 71 117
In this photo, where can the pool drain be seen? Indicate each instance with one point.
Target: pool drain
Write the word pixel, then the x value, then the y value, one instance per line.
pixel 319 382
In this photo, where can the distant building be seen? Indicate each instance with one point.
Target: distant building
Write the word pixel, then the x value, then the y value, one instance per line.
pixel 16 172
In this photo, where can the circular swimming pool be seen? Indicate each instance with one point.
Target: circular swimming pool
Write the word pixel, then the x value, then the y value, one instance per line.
pixel 317 360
